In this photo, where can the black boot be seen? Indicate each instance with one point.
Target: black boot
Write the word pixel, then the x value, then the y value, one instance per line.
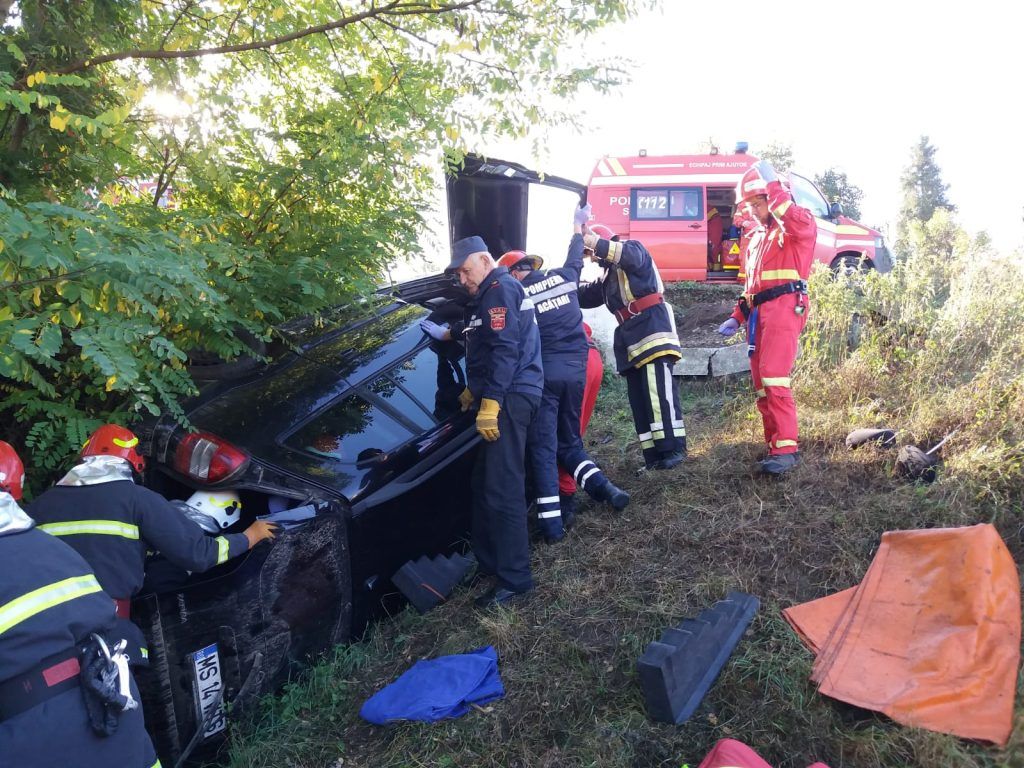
pixel 670 460
pixel 780 463
pixel 614 495
pixel 567 503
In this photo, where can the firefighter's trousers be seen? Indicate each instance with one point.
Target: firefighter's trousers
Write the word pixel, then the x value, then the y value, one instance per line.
pixel 591 388
pixel 555 439
pixel 777 334
pixel 500 539
pixel 654 399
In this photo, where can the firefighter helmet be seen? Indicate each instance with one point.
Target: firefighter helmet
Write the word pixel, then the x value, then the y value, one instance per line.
pixel 224 507
pixel 751 185
pixel 12 471
pixel 605 233
pixel 513 259
pixel 115 440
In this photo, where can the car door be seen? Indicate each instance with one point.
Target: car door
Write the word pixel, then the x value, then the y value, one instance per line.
pixel 402 433
pixel 491 198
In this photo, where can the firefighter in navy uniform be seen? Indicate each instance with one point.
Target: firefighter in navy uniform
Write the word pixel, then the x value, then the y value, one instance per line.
pixel 645 343
pixel 564 351
pixel 110 521
pixel 51 605
pixel 505 381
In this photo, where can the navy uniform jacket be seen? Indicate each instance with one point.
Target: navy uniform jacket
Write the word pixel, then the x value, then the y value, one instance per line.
pixel 112 525
pixel 50 602
pixel 557 306
pixel 68 603
pixel 632 274
pixel 502 341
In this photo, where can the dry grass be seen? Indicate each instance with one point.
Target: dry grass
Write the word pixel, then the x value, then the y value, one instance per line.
pixel 690 535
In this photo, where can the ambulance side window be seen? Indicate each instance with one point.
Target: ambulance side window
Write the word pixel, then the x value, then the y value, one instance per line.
pixel 676 204
pixel 807 196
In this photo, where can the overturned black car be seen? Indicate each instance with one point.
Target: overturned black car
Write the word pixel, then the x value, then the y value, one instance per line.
pixel 352 439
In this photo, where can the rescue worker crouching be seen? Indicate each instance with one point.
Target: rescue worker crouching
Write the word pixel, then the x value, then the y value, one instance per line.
pixel 774 305
pixel 554 436
pixel 110 521
pixel 645 342
pixel 54 708
pixel 505 381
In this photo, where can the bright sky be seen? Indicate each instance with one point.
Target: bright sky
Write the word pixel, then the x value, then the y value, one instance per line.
pixel 851 85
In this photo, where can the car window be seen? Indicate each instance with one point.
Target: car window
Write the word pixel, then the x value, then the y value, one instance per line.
pixel 432 379
pixel 350 430
pixel 682 203
pixel 403 402
pixel 807 196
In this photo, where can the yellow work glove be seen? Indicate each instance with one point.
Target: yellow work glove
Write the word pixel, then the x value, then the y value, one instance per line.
pixel 487 420
pixel 466 399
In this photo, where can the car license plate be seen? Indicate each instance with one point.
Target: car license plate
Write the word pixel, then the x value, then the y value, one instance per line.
pixel 207 687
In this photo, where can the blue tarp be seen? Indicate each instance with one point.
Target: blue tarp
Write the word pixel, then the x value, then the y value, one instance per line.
pixel 435 689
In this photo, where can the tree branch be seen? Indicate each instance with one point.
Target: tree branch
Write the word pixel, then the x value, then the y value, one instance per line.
pixel 393 8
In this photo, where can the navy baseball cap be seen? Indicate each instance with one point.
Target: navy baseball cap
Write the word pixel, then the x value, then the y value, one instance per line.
pixel 465 248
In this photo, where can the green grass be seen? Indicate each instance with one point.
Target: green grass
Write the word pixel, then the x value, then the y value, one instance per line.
pixel 568 657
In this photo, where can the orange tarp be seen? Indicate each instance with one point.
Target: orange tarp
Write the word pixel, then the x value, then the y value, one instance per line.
pixel 930 637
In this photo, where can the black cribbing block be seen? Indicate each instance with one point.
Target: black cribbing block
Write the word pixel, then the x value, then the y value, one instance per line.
pixel 678 671
pixel 428 581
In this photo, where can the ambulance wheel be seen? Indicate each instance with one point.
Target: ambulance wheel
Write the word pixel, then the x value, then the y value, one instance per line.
pixel 850 264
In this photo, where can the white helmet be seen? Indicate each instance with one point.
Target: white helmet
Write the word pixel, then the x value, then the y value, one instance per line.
pixel 223 508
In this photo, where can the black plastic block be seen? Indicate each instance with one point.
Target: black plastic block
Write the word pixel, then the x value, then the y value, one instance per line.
pixel 426 582
pixel 677 671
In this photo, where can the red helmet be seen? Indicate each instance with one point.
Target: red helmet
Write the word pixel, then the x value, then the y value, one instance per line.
pixel 12 471
pixel 605 233
pixel 512 259
pixel 751 185
pixel 114 440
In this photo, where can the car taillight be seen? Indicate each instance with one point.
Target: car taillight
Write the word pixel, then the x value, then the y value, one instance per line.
pixel 207 458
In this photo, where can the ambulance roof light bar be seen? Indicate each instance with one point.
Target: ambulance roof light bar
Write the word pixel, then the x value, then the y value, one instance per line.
pixel 742 147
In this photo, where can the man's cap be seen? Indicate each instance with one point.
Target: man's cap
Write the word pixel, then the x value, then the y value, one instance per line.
pixel 465 248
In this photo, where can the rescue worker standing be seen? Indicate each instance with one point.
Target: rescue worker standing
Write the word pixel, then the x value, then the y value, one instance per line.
pixel 774 305
pixel 645 343
pixel 564 351
pixel 50 606
pixel 505 381
pixel 110 521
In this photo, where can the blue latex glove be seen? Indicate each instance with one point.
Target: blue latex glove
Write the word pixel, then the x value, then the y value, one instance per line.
pixel 766 170
pixel 729 327
pixel 435 331
pixel 582 216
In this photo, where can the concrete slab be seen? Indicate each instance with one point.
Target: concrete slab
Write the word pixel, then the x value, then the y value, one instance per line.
pixel 713 361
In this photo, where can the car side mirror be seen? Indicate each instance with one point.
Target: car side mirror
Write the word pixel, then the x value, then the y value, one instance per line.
pixel 835 210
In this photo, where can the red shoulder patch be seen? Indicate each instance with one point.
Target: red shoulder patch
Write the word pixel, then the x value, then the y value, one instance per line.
pixel 497 318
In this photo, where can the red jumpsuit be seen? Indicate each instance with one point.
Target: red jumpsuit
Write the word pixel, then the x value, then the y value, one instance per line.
pixel 595 372
pixel 715 228
pixel 779 252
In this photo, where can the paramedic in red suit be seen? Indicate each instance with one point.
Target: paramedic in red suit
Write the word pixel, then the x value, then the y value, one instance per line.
pixel 774 305
pixel 715 229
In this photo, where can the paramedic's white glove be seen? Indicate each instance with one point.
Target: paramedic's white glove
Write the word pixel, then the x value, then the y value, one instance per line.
pixel 729 327
pixel 435 331
pixel 766 170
